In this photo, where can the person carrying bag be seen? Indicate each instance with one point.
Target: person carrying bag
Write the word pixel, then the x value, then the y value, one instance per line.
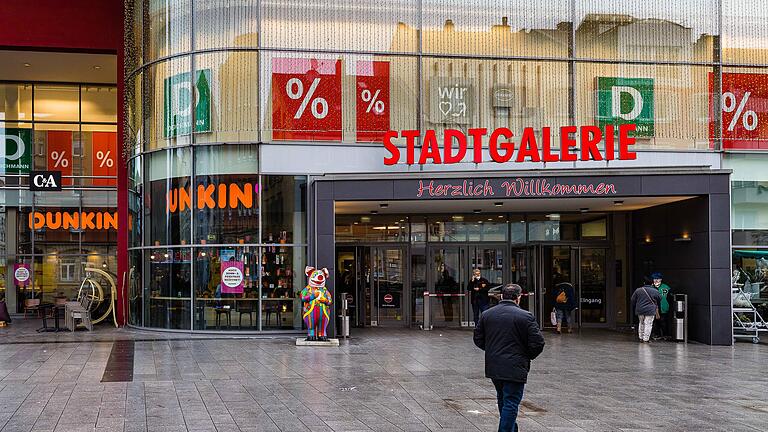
pixel 645 304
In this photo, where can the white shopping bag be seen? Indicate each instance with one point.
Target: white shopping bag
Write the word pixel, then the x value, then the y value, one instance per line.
pixel 553 317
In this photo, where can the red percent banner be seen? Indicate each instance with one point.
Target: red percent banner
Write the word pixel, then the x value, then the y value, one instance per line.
pixel 372 100
pixel 745 111
pixel 103 158
pixel 60 154
pixel 306 99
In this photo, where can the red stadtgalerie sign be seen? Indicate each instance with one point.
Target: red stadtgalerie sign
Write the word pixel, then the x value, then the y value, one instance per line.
pixel 575 143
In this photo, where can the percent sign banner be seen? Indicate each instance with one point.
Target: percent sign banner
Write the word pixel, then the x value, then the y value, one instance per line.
pixel 60 154
pixel 372 100
pixel 103 162
pixel 745 108
pixel 306 99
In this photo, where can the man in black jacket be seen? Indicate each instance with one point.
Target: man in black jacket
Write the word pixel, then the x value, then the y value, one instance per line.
pixel 478 294
pixel 510 338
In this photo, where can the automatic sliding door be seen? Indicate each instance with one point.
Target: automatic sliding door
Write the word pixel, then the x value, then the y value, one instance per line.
pixel 592 284
pixel 388 272
pixel 556 267
pixel 448 286
pixel 490 261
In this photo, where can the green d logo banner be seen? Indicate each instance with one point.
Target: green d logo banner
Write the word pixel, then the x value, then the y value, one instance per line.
pixel 16 153
pixel 626 100
pixel 178 101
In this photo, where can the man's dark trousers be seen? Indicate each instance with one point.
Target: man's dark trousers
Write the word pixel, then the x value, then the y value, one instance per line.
pixel 509 394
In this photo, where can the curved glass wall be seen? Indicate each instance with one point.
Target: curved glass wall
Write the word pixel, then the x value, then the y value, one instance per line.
pixel 207 82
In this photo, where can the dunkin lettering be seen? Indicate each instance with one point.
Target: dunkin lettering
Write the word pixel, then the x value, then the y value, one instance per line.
pixel 212 196
pixel 73 220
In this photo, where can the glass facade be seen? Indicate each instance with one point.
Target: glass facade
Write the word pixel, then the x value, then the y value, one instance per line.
pixel 209 82
pixel 70 128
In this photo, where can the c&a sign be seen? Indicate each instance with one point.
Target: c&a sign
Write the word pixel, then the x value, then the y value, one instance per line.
pixel 213 196
pixel 45 181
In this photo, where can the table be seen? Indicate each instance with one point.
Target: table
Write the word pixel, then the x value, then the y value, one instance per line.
pixel 44 308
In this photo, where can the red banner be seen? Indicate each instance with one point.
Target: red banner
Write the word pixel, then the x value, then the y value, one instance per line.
pixel 372 100
pixel 60 154
pixel 104 158
pixel 745 111
pixel 306 99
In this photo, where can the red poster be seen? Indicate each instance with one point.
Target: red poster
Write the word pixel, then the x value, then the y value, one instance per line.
pixel 745 111
pixel 306 99
pixel 104 158
pixel 372 100
pixel 60 154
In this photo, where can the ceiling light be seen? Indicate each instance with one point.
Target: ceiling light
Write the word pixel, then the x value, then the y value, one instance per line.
pixel 165 255
pixel 458 218
pixel 383 205
pixel 584 209
pixel 618 203
pixel 374 212
pixel 365 219
pixel 498 204
pixel 553 216
pixel 27 64
pixel 202 253
pixel 97 67
pixel 490 219
pixel 476 211
pixel 402 220
pixel 501 216
pixel 355 223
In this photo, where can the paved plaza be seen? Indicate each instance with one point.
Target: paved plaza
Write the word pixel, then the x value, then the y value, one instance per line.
pixel 381 380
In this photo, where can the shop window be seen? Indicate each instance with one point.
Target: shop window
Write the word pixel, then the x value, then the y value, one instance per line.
pixel 16 102
pixel 57 103
pixel 168 29
pixel 168 211
pixel 596 229
pixel 135 288
pixel 98 104
pixel 744 31
pixel 226 24
pixel 284 199
pixel 281 284
pixel 167 296
pixel 168 111
pixel 371 228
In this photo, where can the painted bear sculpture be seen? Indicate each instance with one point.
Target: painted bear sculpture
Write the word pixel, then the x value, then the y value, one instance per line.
pixel 316 304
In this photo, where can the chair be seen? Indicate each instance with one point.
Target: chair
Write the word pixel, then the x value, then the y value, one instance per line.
pixel 242 310
pixel 222 309
pixel 78 310
pixel 273 308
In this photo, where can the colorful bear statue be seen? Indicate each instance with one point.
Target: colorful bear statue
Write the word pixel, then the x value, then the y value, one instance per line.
pixel 316 301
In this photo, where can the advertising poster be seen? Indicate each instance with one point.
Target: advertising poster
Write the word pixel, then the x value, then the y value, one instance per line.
pixel 177 109
pixel 103 158
pixel 744 107
pixel 372 103
pixel 306 99
pixel 451 100
pixel 21 274
pixel 60 154
pixel 624 101
pixel 16 151
pixel 232 277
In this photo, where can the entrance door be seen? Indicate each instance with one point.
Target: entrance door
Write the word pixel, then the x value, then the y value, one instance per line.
pixel 388 265
pixel 593 286
pixel 556 266
pixel 490 260
pixel 447 286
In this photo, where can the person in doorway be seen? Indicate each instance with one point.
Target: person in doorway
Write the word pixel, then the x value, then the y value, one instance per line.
pixel 661 326
pixel 478 294
pixel 510 338
pixel 645 304
pixel 565 303
pixel 446 284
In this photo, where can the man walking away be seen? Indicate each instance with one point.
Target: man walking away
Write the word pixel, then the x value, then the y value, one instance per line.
pixel 510 338
pixel 645 304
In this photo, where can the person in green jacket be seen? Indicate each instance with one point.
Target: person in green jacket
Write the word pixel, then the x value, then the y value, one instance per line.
pixel 661 325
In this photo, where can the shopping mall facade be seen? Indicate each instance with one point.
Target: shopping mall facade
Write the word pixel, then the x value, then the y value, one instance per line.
pixel 400 145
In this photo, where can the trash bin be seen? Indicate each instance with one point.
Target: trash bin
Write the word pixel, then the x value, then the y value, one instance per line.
pixel 680 318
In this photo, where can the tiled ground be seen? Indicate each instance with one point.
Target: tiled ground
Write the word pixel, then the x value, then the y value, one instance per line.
pixel 382 380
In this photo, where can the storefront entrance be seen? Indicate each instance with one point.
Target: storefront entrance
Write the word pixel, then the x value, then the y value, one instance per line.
pixel 586 269
pixel 373 280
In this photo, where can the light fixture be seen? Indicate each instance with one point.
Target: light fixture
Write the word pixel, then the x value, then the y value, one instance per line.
pixel 365 219
pixel 355 223
pixel 684 237
pixel 476 211
pixel 27 64
pixel 202 254
pixel 490 219
pixel 501 216
pixel 383 205
pixel 165 255
pixel 374 212
pixel 498 204
pixel 618 203
pixel 151 257
pixel 583 209
pixel 97 67
pixel 402 220
pixel 647 239
pixel 553 216
pixel 104 264
pixel 457 218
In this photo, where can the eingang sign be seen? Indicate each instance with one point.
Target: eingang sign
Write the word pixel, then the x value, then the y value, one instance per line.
pixel 576 143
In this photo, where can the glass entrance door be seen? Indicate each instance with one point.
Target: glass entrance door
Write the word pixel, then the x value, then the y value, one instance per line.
pixel 556 266
pixel 592 284
pixel 447 286
pixel 388 265
pixel 490 260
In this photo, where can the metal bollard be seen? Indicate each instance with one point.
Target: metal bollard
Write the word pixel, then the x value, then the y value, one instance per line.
pixel 344 327
pixel 427 322
pixel 680 318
